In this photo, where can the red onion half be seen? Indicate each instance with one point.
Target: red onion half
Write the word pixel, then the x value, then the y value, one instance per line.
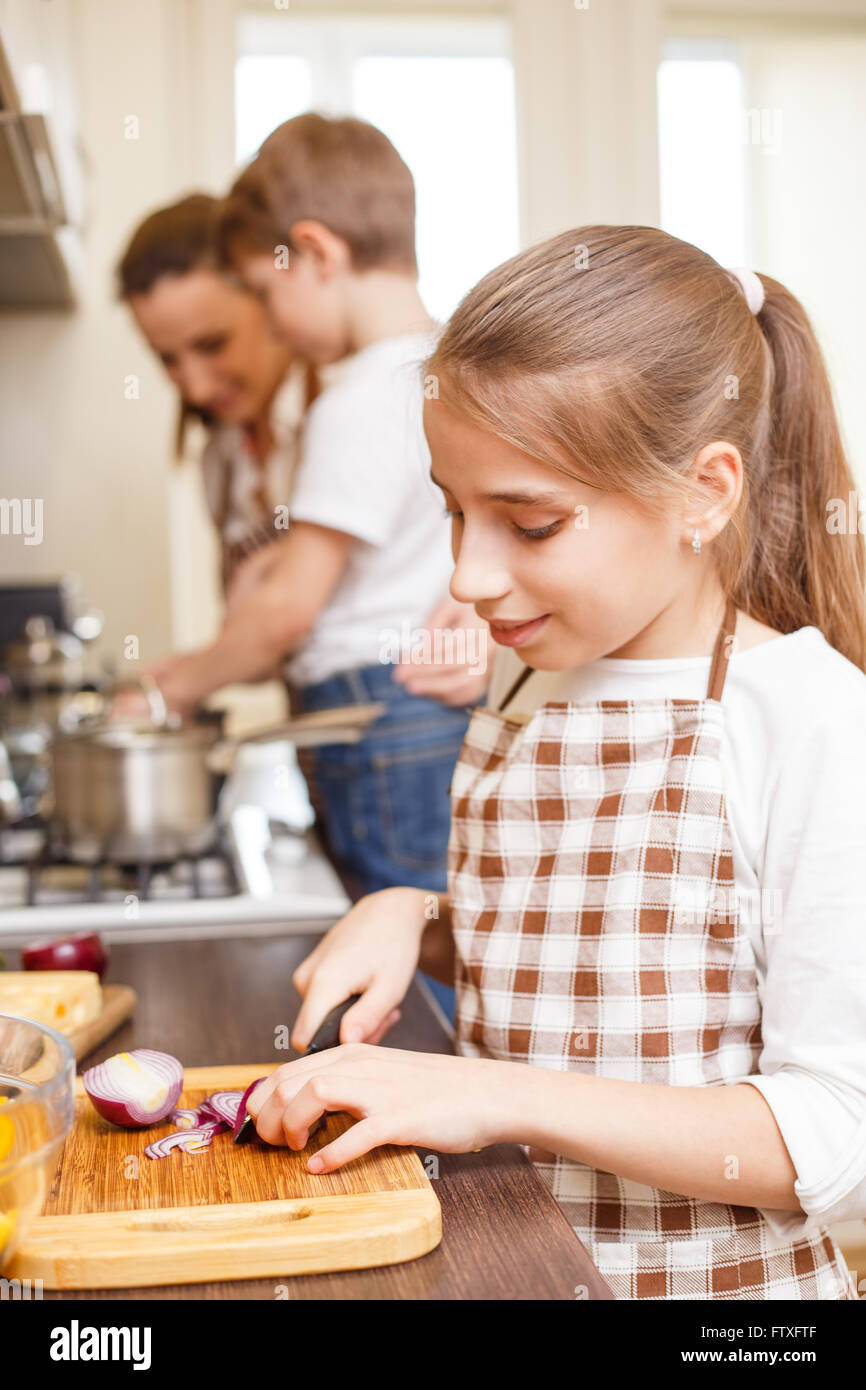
pixel 134 1089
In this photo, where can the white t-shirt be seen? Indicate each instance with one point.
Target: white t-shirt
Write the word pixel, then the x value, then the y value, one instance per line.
pixel 365 469
pixel 794 765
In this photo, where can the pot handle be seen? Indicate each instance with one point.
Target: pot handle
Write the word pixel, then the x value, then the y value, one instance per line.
pixel 155 700
pixel 156 707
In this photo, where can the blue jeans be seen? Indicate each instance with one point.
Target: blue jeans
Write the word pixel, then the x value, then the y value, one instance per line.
pixel 384 802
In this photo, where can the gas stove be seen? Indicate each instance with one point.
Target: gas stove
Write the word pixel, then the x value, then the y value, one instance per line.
pixel 258 877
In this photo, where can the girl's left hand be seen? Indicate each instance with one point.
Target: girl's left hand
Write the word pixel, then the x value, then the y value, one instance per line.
pixel 454 1104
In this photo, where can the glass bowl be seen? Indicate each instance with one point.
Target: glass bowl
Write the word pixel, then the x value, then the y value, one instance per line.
pixel 37 1097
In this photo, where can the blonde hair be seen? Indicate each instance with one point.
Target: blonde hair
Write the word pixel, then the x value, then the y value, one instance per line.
pixel 616 353
pixel 343 173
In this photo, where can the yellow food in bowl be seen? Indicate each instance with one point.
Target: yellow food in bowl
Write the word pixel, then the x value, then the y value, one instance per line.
pixel 7 1134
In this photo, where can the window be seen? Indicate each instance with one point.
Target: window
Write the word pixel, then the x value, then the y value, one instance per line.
pixel 761 136
pixel 441 89
pixel 702 150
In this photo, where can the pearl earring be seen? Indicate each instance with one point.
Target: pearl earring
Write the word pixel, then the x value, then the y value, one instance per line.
pixel 696 542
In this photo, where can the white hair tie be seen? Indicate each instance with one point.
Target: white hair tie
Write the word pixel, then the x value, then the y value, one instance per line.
pixel 751 287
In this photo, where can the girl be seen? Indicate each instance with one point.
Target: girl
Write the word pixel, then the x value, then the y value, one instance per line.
pixel 655 894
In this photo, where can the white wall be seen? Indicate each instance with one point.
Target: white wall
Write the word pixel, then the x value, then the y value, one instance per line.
pixel 68 432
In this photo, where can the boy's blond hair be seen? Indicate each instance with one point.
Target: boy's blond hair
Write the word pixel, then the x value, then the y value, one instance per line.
pixel 341 172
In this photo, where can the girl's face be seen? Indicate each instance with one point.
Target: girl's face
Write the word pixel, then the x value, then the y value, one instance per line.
pixel 560 569
pixel 214 342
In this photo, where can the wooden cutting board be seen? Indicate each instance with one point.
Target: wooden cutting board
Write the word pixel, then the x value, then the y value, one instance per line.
pixel 116 1219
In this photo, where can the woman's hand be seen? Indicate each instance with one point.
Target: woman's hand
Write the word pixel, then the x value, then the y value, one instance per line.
pixel 130 701
pixel 372 951
pixel 453 1104
pixel 175 676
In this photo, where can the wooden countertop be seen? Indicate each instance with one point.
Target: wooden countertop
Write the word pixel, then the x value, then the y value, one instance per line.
pixel 216 1002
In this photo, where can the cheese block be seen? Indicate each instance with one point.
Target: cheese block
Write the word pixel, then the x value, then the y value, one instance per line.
pixel 62 999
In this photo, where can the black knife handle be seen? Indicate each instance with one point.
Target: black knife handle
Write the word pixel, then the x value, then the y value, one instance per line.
pixel 328 1032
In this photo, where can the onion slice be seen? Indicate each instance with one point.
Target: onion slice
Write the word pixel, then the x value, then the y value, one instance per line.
pixel 222 1105
pixel 134 1089
pixel 185 1119
pixel 190 1140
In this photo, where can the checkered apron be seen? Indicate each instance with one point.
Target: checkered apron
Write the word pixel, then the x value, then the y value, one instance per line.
pixel 597 930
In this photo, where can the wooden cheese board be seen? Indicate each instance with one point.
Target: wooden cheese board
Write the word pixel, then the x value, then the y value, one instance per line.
pixel 118 1004
pixel 114 1218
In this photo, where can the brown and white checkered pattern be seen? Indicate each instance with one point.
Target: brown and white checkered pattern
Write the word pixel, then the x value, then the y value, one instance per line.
pixel 596 929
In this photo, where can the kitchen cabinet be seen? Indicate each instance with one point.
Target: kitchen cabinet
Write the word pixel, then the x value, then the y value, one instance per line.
pixel 41 181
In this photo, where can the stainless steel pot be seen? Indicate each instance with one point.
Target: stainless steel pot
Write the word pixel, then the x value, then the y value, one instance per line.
pixel 149 792
pixel 131 795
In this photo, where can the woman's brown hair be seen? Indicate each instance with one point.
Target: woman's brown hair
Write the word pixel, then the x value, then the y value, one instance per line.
pixel 174 240
pixel 616 353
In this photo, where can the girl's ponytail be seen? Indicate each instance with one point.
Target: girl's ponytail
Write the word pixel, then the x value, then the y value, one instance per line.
pixel 802 569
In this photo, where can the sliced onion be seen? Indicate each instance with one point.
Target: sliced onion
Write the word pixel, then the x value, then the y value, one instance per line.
pixel 206 1117
pixel 185 1119
pixel 224 1105
pixel 134 1089
pixel 190 1140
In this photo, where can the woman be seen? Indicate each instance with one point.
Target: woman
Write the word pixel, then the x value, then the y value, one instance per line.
pixel 213 339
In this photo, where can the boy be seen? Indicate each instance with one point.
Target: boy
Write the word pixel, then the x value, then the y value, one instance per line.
pixel 322 226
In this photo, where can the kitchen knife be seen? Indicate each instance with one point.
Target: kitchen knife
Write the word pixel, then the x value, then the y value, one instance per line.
pixel 326 1035
pixel 328 1032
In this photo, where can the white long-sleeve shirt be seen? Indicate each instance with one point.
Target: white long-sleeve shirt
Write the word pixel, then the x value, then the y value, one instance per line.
pixel 794 765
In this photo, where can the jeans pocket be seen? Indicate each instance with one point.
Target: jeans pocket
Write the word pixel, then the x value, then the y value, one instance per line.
pixel 411 791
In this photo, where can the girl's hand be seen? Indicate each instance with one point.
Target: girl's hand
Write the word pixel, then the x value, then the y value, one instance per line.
pixel 372 951
pixel 454 1104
